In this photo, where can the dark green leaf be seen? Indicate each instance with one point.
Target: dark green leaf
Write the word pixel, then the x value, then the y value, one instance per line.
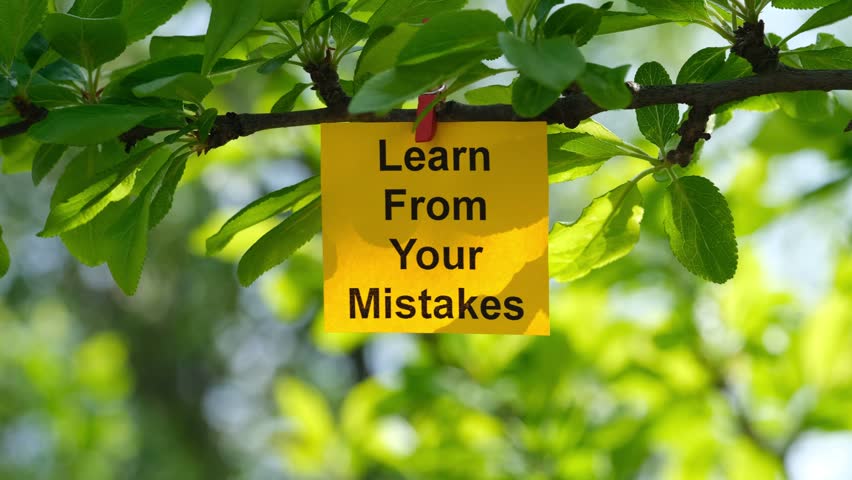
pixel 45 159
pixel 657 123
pixel 702 65
pixel 19 20
pixel 530 98
pixel 141 17
pixel 677 10
pixel 190 87
pixel 553 62
pixel 825 16
pixel 89 42
pixel 89 124
pixel 578 21
pixel 281 10
pixel 452 33
pixel 700 228
pixel 230 21
pixel 606 231
pixel 288 100
pixel 606 86
pixel 280 242
pixel 275 203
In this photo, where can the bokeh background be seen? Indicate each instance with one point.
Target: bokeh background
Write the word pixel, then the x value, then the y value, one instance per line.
pixel 648 373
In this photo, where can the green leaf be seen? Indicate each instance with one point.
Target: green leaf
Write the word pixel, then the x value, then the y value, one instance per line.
pixel 52 95
pixel 676 10
pixel 392 87
pixel 108 186
pixel 230 21
pixel 553 62
pixel 453 33
pixel 88 243
pixel 288 100
pixel 347 32
pixel 575 154
pixel 490 95
pixel 19 20
pixel 702 65
pixel 520 9
pixel 17 153
pixel 802 4
pixel 89 124
pixel 162 203
pixel 395 12
pixel 380 51
pixel 278 61
pixel 45 159
pixel 129 244
pixel 657 123
pixel 700 227
pixel 812 106
pixel 275 203
pixel 606 86
pixel 579 22
pixel 839 58
pixel 606 231
pixel 167 47
pixel 824 16
pixel 281 10
pixel 89 42
pixel 176 65
pixel 190 87
pixel 96 8
pixel 280 242
pixel 141 17
pixel 5 260
pixel 614 22
pixel 530 98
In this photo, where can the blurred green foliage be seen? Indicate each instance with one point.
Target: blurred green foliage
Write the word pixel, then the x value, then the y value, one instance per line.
pixel 649 371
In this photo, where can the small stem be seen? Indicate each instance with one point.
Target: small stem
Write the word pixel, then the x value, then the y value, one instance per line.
pixel 287 33
pixel 643 174
pixel 716 28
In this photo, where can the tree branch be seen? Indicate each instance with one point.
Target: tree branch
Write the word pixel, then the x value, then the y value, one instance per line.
pixel 569 110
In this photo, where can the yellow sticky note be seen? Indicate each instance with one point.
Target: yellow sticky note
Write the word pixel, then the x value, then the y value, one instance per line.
pixel 444 236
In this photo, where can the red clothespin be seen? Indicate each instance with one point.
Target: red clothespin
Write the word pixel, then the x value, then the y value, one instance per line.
pixel 426 128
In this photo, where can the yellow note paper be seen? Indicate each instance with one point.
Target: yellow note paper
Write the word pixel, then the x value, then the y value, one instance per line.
pixel 445 236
